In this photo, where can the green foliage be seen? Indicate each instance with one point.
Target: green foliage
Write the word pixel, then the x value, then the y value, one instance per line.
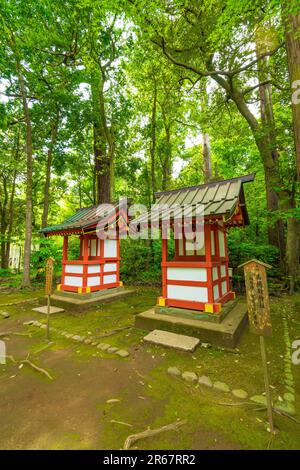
pixel 161 67
pixel 242 249
pixel 48 248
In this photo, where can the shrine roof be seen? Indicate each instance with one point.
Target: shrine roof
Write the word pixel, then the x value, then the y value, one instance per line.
pixel 85 218
pixel 218 198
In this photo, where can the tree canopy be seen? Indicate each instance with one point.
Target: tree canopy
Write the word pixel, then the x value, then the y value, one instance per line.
pixel 102 99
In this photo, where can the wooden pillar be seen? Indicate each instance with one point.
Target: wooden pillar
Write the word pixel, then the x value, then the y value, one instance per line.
pixel 217 250
pixel 118 259
pixel 65 248
pixel 207 229
pixel 64 258
pixel 85 249
pixel 101 261
pixel 85 263
pixel 164 259
pixel 227 260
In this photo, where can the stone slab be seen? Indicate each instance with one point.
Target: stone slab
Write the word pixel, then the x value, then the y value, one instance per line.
pixel 79 301
pixel 44 309
pixel 225 334
pixel 172 340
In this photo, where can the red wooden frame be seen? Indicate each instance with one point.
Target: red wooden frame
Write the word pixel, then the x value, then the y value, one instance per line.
pixel 85 260
pixel 208 261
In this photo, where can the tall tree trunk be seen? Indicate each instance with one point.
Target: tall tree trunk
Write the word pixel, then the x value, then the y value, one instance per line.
pixel 3 220
pixel 11 220
pixel 271 163
pixel 167 160
pixel 269 155
pixel 153 140
pixel 54 128
pixel 7 209
pixel 291 21
pixel 206 153
pixel 103 157
pixel 28 214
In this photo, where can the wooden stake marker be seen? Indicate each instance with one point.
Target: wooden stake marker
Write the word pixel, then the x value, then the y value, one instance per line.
pixel 48 289
pixel 259 317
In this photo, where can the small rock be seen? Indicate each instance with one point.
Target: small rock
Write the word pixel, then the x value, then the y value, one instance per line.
pixel 103 346
pixel 189 376
pixel 76 337
pixel 122 353
pixel 223 387
pixel 239 393
pixel 94 343
pixel 44 327
pixel 113 400
pixel 87 341
pixel 174 371
pixel 4 314
pixel 290 397
pixel 112 349
pixel 204 380
pixel 259 399
pixel 205 345
pixel 82 339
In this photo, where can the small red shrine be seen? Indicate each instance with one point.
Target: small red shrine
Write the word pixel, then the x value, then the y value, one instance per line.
pixel 99 229
pixel 197 278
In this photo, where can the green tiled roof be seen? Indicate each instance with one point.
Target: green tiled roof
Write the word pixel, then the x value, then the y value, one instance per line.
pixel 82 219
pixel 217 198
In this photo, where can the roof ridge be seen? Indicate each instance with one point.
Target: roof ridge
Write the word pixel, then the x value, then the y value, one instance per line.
pixel 243 178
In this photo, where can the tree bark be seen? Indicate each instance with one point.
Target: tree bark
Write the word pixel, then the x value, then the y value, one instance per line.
pixel 153 141
pixel 103 142
pixel 3 220
pixel 166 161
pixel 54 129
pixel 28 214
pixel 291 22
pixel 5 263
pixel 206 153
pixel 292 252
pixel 271 162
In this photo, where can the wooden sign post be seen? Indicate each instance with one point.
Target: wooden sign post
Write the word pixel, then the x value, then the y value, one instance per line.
pixel 48 289
pixel 259 316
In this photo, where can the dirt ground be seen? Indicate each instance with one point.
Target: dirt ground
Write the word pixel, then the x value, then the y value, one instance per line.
pixel 71 411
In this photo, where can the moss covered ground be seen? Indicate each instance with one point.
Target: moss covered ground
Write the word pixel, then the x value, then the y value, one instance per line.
pixel 71 411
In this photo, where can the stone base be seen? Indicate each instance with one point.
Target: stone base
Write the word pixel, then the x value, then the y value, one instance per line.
pixel 225 334
pixel 195 314
pixel 85 301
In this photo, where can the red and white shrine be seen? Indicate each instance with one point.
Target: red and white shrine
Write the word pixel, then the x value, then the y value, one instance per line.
pixel 98 265
pixel 197 278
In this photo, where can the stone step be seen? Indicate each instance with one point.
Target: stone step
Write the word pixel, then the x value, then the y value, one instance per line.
pixel 172 340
